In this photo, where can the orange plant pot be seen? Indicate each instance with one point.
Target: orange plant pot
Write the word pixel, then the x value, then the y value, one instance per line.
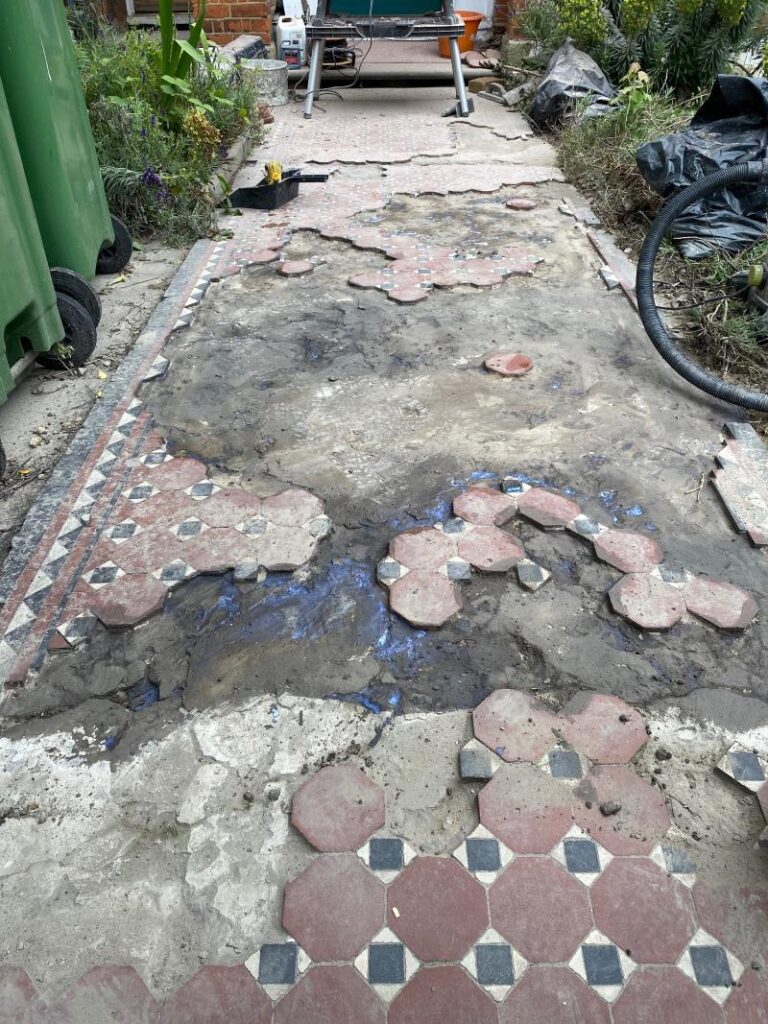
pixel 471 21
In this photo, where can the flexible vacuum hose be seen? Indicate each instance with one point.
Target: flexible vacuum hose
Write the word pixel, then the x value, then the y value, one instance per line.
pixel 752 171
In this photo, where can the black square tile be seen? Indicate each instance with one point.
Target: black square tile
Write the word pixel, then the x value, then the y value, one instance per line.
pixel 581 856
pixel 386 963
pixel 122 531
pixel 277 964
pixel 140 492
pixel 494 964
pixel 710 966
pixel 386 855
pixel 602 965
pixel 104 574
pixel 454 526
pixel 201 490
pixel 565 764
pixel 173 573
pixel 678 862
pixel 154 459
pixel 189 528
pixel 483 855
pixel 745 766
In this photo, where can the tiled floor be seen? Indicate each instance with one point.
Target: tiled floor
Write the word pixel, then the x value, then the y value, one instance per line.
pixel 552 911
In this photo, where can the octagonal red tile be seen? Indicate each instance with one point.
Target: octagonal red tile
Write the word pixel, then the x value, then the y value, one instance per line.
pixel 748 1003
pixel 151 549
pixel 422 548
pixel 642 820
pixel 736 915
pixel 515 725
pixel 334 907
pixel 217 550
pixel 284 548
pixel 485 506
pixel 643 910
pixel 227 508
pixel 437 908
pixel 526 808
pixel 19 1001
pixel 546 508
pixel 163 509
pixel 330 995
pixel 553 995
pixel 541 909
pixel 338 809
pixel 292 507
pixel 603 728
pixel 627 550
pixel 719 602
pixel 129 600
pixel 107 994
pixel 489 549
pixel 438 995
pixel 647 602
pixel 425 598
pixel 658 995
pixel 175 475
pixel 228 994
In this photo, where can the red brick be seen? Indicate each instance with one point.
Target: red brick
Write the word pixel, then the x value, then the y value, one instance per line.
pixel 553 995
pixel 233 25
pixel 19 1001
pixel 441 909
pixel 628 551
pixel 748 1003
pixel 489 549
pixel 643 910
pixel 334 908
pixel 425 598
pixel 642 820
pixel 485 506
pixel 515 725
pixel 719 602
pixel 525 808
pixel 292 507
pixel 541 909
pixel 330 995
pixel 647 602
pixel 546 508
pixel 509 364
pixel 227 994
pixel 592 723
pixel 129 600
pixel 439 995
pixel 218 10
pixel 422 548
pixel 107 994
pixel 663 995
pixel 338 809
pixel 249 10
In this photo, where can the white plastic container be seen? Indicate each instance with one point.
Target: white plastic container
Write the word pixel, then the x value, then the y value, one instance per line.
pixel 291 40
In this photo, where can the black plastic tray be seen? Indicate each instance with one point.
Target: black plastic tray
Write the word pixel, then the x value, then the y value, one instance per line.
pixel 270 196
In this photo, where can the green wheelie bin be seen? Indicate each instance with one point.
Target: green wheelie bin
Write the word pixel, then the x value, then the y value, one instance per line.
pixel 29 317
pixel 38 69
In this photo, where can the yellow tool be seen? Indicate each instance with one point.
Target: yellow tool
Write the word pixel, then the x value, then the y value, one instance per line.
pixel 273 172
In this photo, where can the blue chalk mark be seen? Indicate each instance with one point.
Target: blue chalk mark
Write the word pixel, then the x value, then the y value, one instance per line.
pixel 634 510
pixel 110 742
pixel 359 697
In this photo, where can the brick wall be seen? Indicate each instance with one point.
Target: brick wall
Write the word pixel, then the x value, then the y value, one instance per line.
pixel 505 13
pixel 228 19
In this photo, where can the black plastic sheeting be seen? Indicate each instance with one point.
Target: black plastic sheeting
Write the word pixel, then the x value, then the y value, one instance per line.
pixel 570 76
pixel 729 128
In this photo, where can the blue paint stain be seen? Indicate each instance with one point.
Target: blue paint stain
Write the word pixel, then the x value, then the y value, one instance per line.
pixel 227 602
pixel 394 698
pixel 634 511
pixel 359 697
pixel 651 527
pixel 555 384
pixel 567 567
pixel 143 695
pixel 110 742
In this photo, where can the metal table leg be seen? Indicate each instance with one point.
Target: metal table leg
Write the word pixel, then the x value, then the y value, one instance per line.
pixel 464 107
pixel 315 71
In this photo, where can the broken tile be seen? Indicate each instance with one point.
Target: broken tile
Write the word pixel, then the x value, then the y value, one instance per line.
pixel 77 629
pixel 585 527
pixel 422 548
pixel 719 602
pixel 514 725
pixel 293 507
pixel 647 602
pixel 295 268
pixel 386 964
pixel 531 575
pixel 745 767
pixel 249 570
pixel 174 573
pixel 712 967
pixel 483 506
pixel 521 204
pixel 477 762
pixel 483 855
pixel 284 548
pixel 508 364
pixel 456 569
pixel 425 598
pixel 338 808
pixel 602 965
pixel 547 509
pixel 128 601
pixel 628 551
pixel 489 549
pixel 495 964
pixel 175 474
pixel 603 727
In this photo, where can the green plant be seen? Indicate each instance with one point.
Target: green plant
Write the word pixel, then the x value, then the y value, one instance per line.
pixel 583 21
pixel 177 57
pixel 635 91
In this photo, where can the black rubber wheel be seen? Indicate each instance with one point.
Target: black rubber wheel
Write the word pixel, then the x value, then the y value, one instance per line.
pixel 79 336
pixel 113 258
pixel 69 282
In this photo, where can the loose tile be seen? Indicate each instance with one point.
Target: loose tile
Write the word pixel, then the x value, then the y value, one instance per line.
pixel 719 602
pixel 745 767
pixel 334 908
pixel 553 995
pixel 641 908
pixel 525 809
pixel 531 575
pixel 643 818
pixel 521 204
pixel 581 856
pixel 541 909
pixel 386 964
pixel 664 994
pixel 386 856
pixel 675 862
pixel 547 509
pixel 295 268
pixel 218 993
pixel 489 549
pixel 628 551
pixel 338 809
pixel 508 364
pixel 424 598
pixel 483 855
pixel 437 908
pixel 277 966
pixel 477 762
pixel 604 728
pixel 602 965
pixel 711 966
pixel 128 601
pixel 249 570
pixel 331 995
pixel 436 995
pixel 482 506
pixel 514 725
pixel 422 548
pixel 647 602
pixel 495 964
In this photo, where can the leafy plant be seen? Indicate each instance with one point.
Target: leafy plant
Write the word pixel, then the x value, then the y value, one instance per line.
pixel 177 57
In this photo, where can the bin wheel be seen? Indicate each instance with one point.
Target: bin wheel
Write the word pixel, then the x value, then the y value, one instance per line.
pixel 113 258
pixel 79 336
pixel 3 461
pixel 69 282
